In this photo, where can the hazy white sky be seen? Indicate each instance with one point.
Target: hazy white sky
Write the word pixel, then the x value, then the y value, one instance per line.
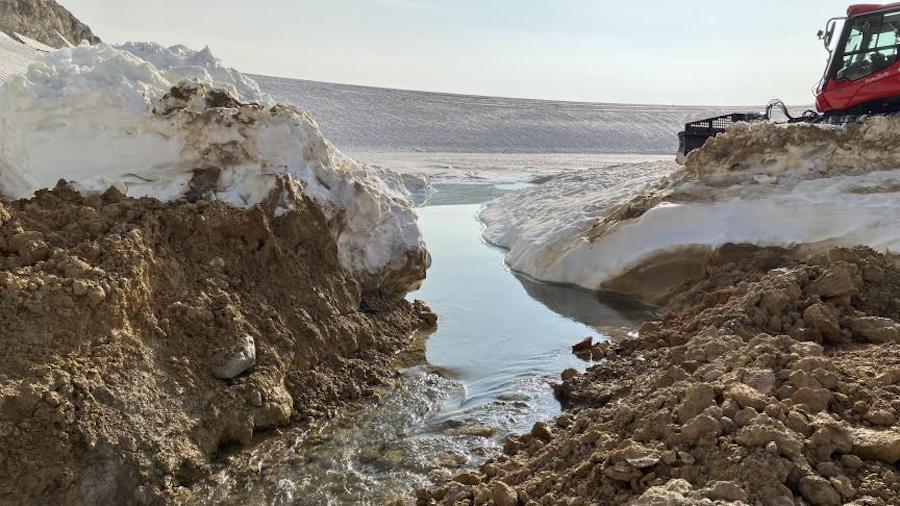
pixel 654 51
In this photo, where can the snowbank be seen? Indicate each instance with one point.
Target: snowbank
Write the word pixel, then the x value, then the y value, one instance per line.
pixel 172 123
pixel 642 225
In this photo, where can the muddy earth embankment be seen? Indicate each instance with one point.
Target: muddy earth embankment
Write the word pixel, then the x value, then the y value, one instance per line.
pixel 773 380
pixel 772 377
pixel 142 339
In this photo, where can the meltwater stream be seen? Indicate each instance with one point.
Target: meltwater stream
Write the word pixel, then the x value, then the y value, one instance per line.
pixel 501 340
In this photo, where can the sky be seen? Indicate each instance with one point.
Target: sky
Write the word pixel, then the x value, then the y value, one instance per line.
pixel 690 52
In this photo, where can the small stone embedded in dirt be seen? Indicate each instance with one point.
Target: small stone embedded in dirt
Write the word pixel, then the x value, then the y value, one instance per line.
pixel 238 358
pixel 880 445
pixel 818 491
pixel 583 348
pixel 875 329
pixel 503 495
pixel 569 374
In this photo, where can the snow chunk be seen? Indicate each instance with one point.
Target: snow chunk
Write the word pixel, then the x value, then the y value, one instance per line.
pixel 101 116
pixel 178 63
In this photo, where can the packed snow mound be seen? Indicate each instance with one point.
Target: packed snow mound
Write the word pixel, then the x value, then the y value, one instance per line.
pixel 178 63
pixel 643 233
pixel 100 116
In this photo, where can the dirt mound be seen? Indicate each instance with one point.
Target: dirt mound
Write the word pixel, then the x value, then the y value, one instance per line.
pixel 818 150
pixel 45 21
pixel 772 380
pixel 141 338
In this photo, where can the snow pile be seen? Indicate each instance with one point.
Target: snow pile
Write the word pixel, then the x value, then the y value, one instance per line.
pixel 179 63
pixel 181 125
pixel 765 185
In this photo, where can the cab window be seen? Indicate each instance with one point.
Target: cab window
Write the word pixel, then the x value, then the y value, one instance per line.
pixel 871 45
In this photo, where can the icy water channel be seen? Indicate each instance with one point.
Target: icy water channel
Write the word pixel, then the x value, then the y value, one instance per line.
pixel 501 340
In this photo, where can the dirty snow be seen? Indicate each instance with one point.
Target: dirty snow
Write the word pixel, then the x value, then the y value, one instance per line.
pixel 99 116
pixel 810 186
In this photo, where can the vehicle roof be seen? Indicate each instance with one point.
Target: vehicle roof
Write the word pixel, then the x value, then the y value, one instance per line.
pixel 856 10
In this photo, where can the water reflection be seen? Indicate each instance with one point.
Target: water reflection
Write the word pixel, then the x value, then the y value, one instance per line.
pixel 607 313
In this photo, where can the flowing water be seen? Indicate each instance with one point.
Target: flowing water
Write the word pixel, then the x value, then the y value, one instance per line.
pixel 501 340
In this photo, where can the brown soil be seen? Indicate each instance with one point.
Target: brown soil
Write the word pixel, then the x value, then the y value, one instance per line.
pixel 115 313
pixel 772 380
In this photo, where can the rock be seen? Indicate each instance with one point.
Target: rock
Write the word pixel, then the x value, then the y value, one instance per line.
pixel 621 471
pixel 883 445
pixel 457 492
pixel 808 349
pixel 764 430
pixel 636 455
pixel 775 301
pixel 745 416
pixel 700 426
pixel 724 491
pixel 889 377
pixel 818 491
pixel 747 396
pixel 820 317
pixel 236 359
pixel 675 492
pixel 583 347
pixel 831 437
pixel 503 494
pixel 880 416
pixel 815 399
pixel 851 461
pixel 470 479
pixel 564 421
pixel 673 375
pixel 482 494
pixel 697 398
pixel 762 380
pixel 541 431
pixel 874 329
pixel 569 374
pixel 836 282
pixel 844 486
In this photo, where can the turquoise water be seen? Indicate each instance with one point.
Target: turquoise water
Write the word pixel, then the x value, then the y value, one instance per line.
pixel 496 335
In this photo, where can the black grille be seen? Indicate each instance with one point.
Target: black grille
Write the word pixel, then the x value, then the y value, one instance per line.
pixel 719 124
pixel 696 133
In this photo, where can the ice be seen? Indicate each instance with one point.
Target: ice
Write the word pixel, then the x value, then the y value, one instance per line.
pixel 101 116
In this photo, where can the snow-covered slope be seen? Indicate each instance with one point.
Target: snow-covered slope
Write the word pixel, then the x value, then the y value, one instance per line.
pixel 641 228
pixel 183 126
pixel 359 118
pixel 14 57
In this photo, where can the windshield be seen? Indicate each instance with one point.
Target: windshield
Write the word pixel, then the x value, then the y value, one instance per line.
pixel 871 45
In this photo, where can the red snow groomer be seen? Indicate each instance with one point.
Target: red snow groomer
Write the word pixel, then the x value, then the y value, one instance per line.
pixel 862 78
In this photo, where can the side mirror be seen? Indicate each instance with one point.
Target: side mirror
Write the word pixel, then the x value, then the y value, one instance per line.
pixel 827 35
